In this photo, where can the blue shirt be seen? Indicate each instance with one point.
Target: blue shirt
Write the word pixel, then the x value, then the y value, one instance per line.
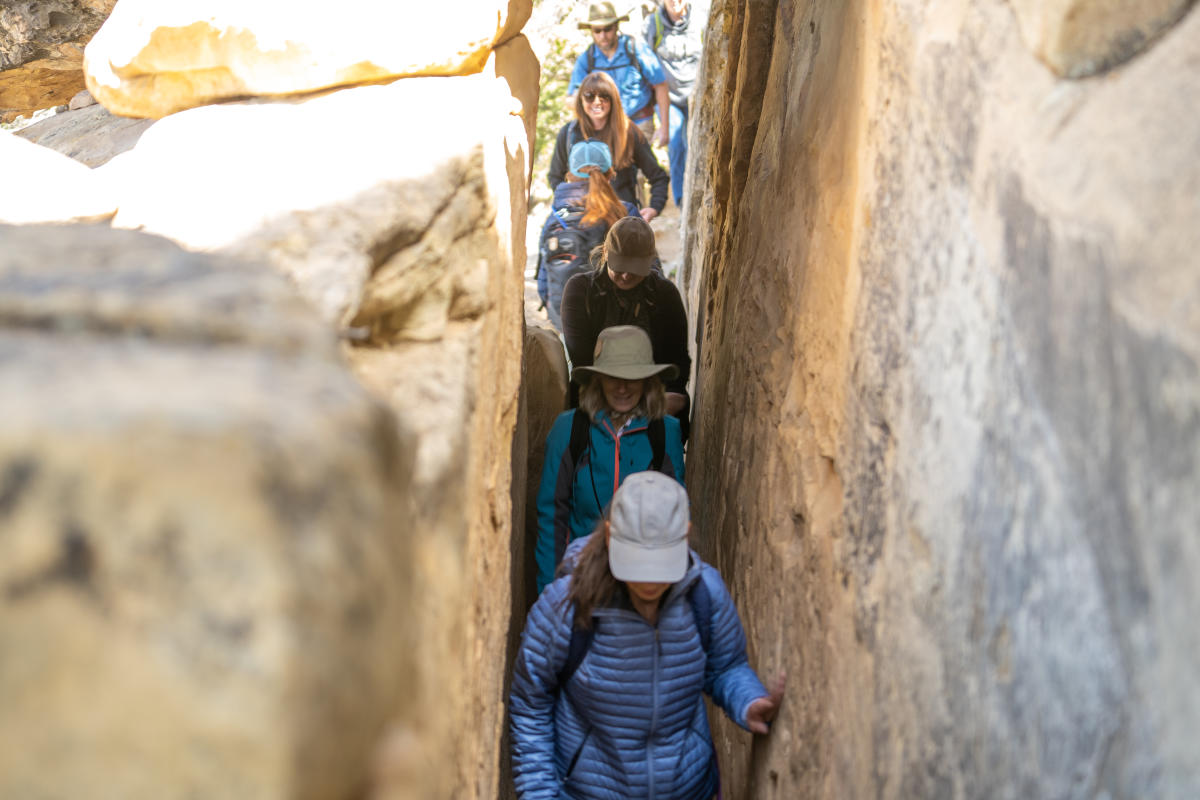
pixel 636 93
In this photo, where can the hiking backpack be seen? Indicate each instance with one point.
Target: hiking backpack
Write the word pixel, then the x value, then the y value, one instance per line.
pixel 566 248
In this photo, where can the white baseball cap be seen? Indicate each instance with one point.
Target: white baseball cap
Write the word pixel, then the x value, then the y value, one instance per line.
pixel 648 526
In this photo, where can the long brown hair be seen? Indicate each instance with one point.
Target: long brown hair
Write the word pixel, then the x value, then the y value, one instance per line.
pixel 601 203
pixel 619 133
pixel 592 582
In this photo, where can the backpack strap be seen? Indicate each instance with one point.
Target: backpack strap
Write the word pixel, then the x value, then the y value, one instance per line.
pixel 581 639
pixel 637 62
pixel 701 603
pixel 580 430
pixel 634 61
pixel 656 432
pixel 578 443
pixel 658 28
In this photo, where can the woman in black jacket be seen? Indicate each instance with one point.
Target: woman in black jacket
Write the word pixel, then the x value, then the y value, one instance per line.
pixel 597 116
pixel 624 290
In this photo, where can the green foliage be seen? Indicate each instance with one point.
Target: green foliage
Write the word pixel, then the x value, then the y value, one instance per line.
pixel 553 112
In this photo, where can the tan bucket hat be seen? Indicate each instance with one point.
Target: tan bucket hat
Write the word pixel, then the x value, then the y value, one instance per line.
pixel 624 351
pixel 602 15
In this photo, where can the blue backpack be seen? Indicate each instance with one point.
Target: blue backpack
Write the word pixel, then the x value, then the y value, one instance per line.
pixel 566 248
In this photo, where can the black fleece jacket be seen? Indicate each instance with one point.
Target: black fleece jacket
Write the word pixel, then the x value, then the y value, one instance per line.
pixel 591 303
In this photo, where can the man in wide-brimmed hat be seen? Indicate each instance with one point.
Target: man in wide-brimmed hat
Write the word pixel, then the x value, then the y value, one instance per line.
pixel 631 64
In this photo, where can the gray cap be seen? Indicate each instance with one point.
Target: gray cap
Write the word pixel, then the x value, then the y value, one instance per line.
pixel 649 528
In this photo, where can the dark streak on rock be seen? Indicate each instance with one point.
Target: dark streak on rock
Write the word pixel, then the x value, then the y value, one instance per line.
pixel 76 566
pixel 15 480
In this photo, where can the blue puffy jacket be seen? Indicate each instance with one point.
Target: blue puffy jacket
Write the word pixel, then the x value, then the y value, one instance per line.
pixel 631 721
pixel 570 501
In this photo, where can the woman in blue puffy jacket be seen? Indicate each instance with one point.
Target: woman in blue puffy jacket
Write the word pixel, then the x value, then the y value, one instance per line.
pixel 620 428
pixel 607 696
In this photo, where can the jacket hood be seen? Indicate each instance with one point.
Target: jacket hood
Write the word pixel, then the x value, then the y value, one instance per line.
pixel 569 193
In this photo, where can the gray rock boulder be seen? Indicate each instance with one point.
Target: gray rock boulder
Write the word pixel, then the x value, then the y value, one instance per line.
pixel 201 556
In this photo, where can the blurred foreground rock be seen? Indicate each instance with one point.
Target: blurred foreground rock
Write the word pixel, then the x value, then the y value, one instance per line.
pixel 44 186
pixel 404 231
pixel 204 548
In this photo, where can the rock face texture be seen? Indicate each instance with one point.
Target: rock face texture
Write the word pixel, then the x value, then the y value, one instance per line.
pixel 201 591
pixel 155 58
pixel 363 230
pixel 41 51
pixel 947 432
pixel 1077 38
pixel 90 134
pixel 396 213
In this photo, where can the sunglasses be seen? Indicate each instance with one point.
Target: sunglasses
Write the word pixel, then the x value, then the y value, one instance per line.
pixel 591 97
pixel 605 29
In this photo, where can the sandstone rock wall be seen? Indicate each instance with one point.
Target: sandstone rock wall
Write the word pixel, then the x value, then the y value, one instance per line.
pixel 152 59
pixel 202 588
pixel 947 430
pixel 397 214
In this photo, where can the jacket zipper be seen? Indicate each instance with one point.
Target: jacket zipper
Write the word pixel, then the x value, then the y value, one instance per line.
pixel 617 450
pixel 650 788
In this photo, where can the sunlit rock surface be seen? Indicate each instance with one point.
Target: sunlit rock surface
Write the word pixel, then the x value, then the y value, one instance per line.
pixel 152 58
pixel 41 51
pixel 41 185
pixel 204 556
pixel 947 434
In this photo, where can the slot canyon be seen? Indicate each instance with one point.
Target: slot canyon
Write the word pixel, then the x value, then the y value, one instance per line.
pixel 274 399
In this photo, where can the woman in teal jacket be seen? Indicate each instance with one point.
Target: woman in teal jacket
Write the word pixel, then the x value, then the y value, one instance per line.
pixel 621 428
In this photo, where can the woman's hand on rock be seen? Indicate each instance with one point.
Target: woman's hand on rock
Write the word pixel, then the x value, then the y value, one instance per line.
pixel 762 710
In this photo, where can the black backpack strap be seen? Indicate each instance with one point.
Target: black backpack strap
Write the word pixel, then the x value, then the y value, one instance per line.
pixel 576 446
pixel 656 431
pixel 701 602
pixel 637 62
pixel 591 59
pixel 580 430
pixel 581 640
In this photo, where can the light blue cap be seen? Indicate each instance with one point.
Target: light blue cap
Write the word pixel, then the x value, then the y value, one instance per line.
pixel 590 153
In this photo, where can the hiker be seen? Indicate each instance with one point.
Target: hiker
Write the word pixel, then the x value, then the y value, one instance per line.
pixel 634 68
pixel 583 209
pixel 598 117
pixel 675 32
pixel 619 428
pixel 624 290
pixel 607 692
